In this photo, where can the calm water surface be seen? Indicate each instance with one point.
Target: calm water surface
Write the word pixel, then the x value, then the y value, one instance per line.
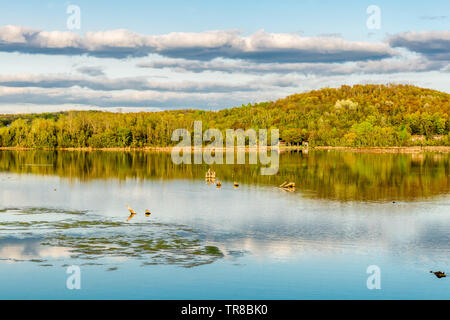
pixel 349 211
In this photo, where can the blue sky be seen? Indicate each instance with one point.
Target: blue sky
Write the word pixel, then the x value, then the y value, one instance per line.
pixel 285 16
pixel 211 54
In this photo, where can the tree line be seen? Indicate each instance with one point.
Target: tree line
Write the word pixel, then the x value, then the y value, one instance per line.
pixel 357 116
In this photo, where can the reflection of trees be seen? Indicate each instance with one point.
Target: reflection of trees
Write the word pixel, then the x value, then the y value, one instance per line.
pixel 328 175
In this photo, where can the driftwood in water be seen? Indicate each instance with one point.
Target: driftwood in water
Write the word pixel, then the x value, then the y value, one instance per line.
pixel 439 274
pixel 210 174
pixel 288 186
pixel 210 177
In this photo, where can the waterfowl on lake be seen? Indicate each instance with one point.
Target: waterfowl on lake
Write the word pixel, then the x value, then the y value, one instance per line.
pixel 148 213
pixel 439 274
pixel 236 184
pixel 132 213
pixel 219 184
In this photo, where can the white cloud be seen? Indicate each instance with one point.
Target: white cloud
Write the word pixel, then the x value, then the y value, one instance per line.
pixel 435 45
pixel 260 46
pixel 202 70
pixel 275 87
pixel 53 81
pixel 128 98
pixel 394 65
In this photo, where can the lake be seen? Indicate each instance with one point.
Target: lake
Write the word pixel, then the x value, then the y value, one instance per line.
pixel 349 211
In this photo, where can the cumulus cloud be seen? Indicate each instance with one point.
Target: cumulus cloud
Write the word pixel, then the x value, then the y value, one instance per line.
pixel 133 83
pixel 250 68
pixel 127 98
pixel 260 46
pixel 239 66
pixel 35 97
pixel 435 45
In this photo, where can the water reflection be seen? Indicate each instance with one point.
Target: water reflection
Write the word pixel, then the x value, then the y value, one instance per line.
pixel 95 238
pixel 341 176
pixel 417 233
pixel 64 208
pixel 15 249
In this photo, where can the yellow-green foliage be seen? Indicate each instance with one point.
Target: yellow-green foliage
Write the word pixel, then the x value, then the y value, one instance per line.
pixel 362 115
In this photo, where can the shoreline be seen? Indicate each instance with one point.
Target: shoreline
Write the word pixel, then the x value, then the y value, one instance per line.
pixel 410 150
pixel 407 150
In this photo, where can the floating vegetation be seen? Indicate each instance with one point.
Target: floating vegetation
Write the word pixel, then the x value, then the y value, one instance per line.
pixel 98 240
pixel 162 245
pixel 213 251
pixel 33 210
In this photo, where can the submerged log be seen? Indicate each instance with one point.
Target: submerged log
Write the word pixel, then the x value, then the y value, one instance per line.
pixel 210 174
pixel 439 274
pixel 210 177
pixel 288 186
pixel 283 184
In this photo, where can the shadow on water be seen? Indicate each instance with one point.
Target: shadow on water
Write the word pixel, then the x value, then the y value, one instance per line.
pixel 342 176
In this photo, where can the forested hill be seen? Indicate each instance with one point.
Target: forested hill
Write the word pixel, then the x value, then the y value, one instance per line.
pixel 362 115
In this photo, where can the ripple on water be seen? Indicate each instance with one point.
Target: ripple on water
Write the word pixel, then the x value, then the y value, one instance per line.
pixel 79 235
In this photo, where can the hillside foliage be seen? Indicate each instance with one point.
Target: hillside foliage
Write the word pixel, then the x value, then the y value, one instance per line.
pixel 358 116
